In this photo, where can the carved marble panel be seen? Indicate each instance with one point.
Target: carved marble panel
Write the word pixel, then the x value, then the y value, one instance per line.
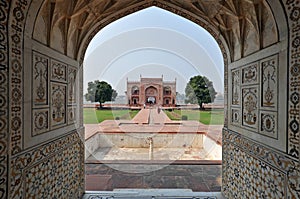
pixel 236 117
pixel 72 114
pixel 72 72
pixel 58 71
pixel 268 124
pixel 269 82
pixel 40 121
pixel 250 107
pixel 236 96
pixel 40 83
pixel 58 104
pixel 250 74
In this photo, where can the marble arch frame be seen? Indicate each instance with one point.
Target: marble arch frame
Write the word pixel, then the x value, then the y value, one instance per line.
pixel 16 159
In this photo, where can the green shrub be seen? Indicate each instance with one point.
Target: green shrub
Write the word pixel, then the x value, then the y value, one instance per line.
pixel 184 117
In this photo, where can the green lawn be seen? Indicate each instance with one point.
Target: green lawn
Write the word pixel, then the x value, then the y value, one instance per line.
pixel 94 116
pixel 214 117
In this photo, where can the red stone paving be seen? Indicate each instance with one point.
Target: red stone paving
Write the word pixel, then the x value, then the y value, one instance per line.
pixel 142 116
pixel 199 178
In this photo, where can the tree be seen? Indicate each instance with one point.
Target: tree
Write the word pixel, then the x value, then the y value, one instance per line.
pixel 200 90
pixel 100 92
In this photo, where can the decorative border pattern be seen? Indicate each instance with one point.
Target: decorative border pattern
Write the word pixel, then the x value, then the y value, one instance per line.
pixel 293 12
pixel 4 7
pixel 30 165
pixel 16 30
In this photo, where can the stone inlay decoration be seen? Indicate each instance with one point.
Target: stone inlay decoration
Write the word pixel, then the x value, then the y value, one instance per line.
pixel 58 104
pixel 40 79
pixel 293 13
pixel 259 88
pixel 15 29
pixel 250 107
pixel 54 94
pixel 72 111
pixel 4 96
pixel 58 71
pixel 269 82
pixel 235 116
pixel 54 170
pixel 268 124
pixel 250 74
pixel 253 171
pixel 40 121
pixel 236 95
pixel 72 74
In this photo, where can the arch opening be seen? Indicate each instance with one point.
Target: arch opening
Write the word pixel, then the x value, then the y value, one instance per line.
pixel 237 50
pixel 150 92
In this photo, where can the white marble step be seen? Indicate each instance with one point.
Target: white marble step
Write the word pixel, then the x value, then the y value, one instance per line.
pixel 151 194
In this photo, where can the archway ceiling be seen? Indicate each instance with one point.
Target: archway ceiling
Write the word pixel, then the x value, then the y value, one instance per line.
pixel 246 25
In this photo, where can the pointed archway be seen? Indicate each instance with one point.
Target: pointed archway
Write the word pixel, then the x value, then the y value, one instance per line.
pixel 33 142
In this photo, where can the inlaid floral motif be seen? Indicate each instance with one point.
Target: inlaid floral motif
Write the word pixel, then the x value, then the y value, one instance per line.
pixel 40 79
pixel 250 74
pixel 40 121
pixel 235 87
pixel 268 124
pixel 269 82
pixel 250 107
pixel 58 104
pixel 58 71
pixel 72 72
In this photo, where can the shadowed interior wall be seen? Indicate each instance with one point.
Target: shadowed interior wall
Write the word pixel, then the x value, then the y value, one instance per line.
pixel 42 47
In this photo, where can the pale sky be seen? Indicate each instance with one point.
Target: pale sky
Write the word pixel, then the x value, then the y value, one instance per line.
pixel 153 42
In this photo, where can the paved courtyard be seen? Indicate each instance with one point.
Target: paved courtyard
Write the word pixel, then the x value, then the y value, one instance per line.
pixel 199 178
pixel 114 167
